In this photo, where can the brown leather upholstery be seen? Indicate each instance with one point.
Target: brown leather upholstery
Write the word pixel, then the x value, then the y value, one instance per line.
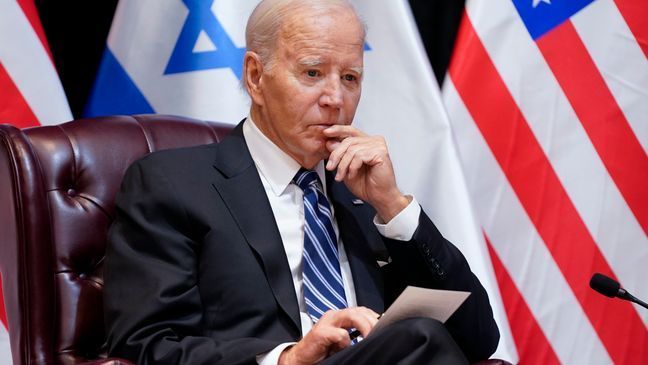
pixel 57 187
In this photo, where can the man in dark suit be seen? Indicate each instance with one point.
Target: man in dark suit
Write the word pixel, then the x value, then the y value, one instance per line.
pixel 217 255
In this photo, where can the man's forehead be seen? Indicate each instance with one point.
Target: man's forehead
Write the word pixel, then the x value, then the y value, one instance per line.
pixel 315 61
pixel 310 61
pixel 307 38
pixel 311 23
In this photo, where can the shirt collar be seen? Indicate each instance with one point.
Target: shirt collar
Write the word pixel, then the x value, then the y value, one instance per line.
pixel 276 166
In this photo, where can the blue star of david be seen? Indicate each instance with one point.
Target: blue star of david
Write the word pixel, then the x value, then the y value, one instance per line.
pixel 227 55
pixel 201 18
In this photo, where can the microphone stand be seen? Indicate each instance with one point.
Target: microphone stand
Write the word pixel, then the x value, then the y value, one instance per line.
pixel 627 296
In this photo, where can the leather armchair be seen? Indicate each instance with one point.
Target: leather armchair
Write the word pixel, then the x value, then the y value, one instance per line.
pixel 57 190
pixel 57 187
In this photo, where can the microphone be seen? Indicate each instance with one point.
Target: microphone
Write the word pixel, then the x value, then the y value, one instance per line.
pixel 611 288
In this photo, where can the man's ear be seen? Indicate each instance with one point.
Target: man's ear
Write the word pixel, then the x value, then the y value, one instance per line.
pixel 252 72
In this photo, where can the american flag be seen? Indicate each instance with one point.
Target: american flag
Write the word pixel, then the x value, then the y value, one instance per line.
pixel 30 90
pixel 548 102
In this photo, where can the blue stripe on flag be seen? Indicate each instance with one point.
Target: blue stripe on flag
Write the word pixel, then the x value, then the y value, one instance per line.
pixel 541 16
pixel 114 92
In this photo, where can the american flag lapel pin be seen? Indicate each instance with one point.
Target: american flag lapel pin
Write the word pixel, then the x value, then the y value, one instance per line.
pixel 357 202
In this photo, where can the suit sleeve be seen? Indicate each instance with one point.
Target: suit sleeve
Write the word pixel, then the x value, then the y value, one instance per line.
pixel 429 260
pixel 152 305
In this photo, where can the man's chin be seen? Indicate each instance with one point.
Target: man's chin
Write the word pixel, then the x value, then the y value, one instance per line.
pixel 316 147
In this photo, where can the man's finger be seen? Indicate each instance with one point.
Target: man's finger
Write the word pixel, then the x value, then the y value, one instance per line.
pixel 344 163
pixel 332 144
pixel 370 319
pixel 338 153
pixel 340 149
pixel 354 167
pixel 343 131
pixel 361 318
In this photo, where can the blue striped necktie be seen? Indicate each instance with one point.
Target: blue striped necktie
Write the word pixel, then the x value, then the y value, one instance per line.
pixel 323 288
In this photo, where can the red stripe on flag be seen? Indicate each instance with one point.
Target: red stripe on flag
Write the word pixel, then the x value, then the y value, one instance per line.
pixel 543 197
pixel 635 13
pixel 31 13
pixel 531 343
pixel 13 107
pixel 600 115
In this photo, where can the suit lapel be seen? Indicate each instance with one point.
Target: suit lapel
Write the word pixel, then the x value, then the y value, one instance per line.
pixel 240 187
pixel 366 275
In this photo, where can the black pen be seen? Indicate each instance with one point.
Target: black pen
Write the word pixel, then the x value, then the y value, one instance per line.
pixel 355 333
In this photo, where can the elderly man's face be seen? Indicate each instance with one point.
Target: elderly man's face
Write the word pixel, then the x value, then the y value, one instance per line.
pixel 314 81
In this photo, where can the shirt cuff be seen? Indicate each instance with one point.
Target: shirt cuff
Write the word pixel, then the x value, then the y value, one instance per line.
pixel 403 225
pixel 272 357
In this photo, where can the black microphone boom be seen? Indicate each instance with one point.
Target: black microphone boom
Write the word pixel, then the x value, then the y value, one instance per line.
pixel 611 288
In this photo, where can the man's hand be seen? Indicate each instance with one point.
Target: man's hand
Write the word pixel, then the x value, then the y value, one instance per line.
pixel 363 164
pixel 329 335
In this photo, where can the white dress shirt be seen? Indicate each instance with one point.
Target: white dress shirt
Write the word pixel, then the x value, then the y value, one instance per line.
pixel 277 169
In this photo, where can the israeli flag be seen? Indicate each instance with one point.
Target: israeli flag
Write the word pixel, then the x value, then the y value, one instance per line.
pixel 174 57
pixel 184 57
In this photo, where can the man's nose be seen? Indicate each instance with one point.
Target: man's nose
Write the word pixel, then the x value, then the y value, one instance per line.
pixel 332 94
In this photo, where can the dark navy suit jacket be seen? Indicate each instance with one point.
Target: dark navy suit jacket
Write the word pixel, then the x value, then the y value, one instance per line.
pixel 196 272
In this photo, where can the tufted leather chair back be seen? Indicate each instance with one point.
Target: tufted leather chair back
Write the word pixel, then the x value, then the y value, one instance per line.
pixel 57 191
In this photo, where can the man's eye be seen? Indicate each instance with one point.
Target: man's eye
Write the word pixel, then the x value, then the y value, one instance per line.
pixel 312 73
pixel 350 77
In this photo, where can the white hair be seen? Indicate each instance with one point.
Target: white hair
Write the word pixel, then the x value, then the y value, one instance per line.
pixel 267 18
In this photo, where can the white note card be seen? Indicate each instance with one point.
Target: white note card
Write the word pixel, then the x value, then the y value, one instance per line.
pixel 421 302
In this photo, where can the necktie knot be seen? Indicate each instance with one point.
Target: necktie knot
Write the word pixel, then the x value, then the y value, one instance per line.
pixel 306 179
